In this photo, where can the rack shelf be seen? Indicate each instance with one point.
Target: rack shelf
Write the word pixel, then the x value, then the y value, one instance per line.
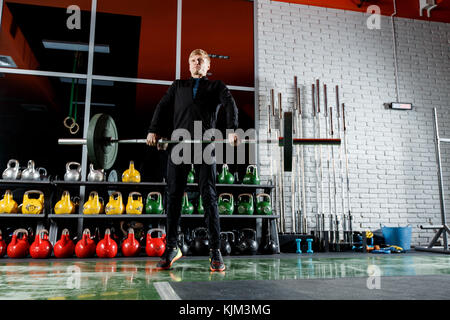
pixel 21 215
pixel 27 183
pixel 53 186
pixel 189 186
pixel 151 216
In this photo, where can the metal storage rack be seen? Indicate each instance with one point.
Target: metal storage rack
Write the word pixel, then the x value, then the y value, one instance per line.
pixel 59 186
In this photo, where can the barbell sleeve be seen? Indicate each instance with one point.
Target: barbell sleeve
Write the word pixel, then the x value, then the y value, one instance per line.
pixel 72 142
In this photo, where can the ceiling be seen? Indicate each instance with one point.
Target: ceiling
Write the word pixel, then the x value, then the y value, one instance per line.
pixel 405 8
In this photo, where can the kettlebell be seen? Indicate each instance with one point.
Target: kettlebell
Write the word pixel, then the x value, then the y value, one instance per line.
pixel 225 246
pixel 30 172
pixel 234 241
pixel 191 175
pixel 130 246
pixel 226 203
pixel 225 177
pixel 73 171
pixel 85 247
pixel 42 174
pixel 41 248
pixel 270 247
pixel 107 247
pixel 186 206
pixel 12 171
pixel 2 245
pixel 155 247
pixel 65 205
pixel 94 205
pixel 182 244
pixel 96 175
pixel 247 241
pixel 201 241
pixel 154 204
pixel 115 204
pixel 131 174
pixel 134 204
pixel 245 206
pixel 7 204
pixel 64 247
pixel 263 206
pixel 33 173
pixel 33 205
pixel 18 247
pixel 251 175
pixel 200 208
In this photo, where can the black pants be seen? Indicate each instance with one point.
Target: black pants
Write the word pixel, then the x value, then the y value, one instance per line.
pixel 176 182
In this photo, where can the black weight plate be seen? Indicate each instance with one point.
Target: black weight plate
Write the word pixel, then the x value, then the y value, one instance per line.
pixel 100 152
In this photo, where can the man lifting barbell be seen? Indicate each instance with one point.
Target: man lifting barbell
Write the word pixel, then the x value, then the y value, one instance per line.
pixel 187 101
pixel 186 104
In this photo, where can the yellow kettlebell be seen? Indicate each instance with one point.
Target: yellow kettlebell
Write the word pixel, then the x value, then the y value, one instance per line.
pixel 33 205
pixel 131 174
pixel 7 204
pixel 65 205
pixel 135 204
pixel 94 205
pixel 115 204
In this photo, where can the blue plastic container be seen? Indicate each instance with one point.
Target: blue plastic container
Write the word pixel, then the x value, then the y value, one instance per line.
pixel 397 236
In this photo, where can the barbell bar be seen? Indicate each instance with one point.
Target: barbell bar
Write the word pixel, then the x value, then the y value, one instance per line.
pixel 102 141
pixel 280 141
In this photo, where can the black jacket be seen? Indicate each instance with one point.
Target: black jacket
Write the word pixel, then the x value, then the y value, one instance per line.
pixel 178 108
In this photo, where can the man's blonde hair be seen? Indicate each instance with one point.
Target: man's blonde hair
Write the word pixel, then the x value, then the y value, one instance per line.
pixel 202 53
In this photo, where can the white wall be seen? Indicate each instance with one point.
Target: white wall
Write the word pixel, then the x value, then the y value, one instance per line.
pixel 392 164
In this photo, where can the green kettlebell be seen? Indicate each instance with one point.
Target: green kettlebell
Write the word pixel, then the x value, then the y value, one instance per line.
pixel 245 206
pixel 226 203
pixel 200 209
pixel 225 177
pixel 191 175
pixel 186 206
pixel 264 206
pixel 251 175
pixel 153 205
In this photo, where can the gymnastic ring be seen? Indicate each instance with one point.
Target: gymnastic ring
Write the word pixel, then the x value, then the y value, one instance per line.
pixel 72 123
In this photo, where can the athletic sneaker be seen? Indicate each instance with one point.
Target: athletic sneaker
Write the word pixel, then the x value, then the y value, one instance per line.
pixel 169 256
pixel 216 260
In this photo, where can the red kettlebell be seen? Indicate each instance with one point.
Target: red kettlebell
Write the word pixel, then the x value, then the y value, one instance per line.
pixel 64 247
pixel 85 247
pixel 18 247
pixel 155 246
pixel 41 248
pixel 107 247
pixel 130 247
pixel 2 245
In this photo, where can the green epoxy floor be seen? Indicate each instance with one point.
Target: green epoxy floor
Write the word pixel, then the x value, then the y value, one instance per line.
pixel 134 278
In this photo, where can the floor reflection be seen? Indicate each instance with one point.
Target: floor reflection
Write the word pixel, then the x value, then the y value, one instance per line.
pixel 133 279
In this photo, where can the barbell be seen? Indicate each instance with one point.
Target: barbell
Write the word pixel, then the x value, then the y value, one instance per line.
pixel 102 141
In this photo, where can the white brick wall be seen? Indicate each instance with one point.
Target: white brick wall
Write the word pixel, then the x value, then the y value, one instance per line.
pixel 392 166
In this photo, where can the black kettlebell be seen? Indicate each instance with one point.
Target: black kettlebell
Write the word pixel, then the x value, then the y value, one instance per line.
pixel 231 240
pixel 225 246
pixel 247 243
pixel 270 247
pixel 201 241
pixel 234 241
pixel 182 243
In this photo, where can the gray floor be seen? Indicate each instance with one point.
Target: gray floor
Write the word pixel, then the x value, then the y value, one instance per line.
pixel 390 288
